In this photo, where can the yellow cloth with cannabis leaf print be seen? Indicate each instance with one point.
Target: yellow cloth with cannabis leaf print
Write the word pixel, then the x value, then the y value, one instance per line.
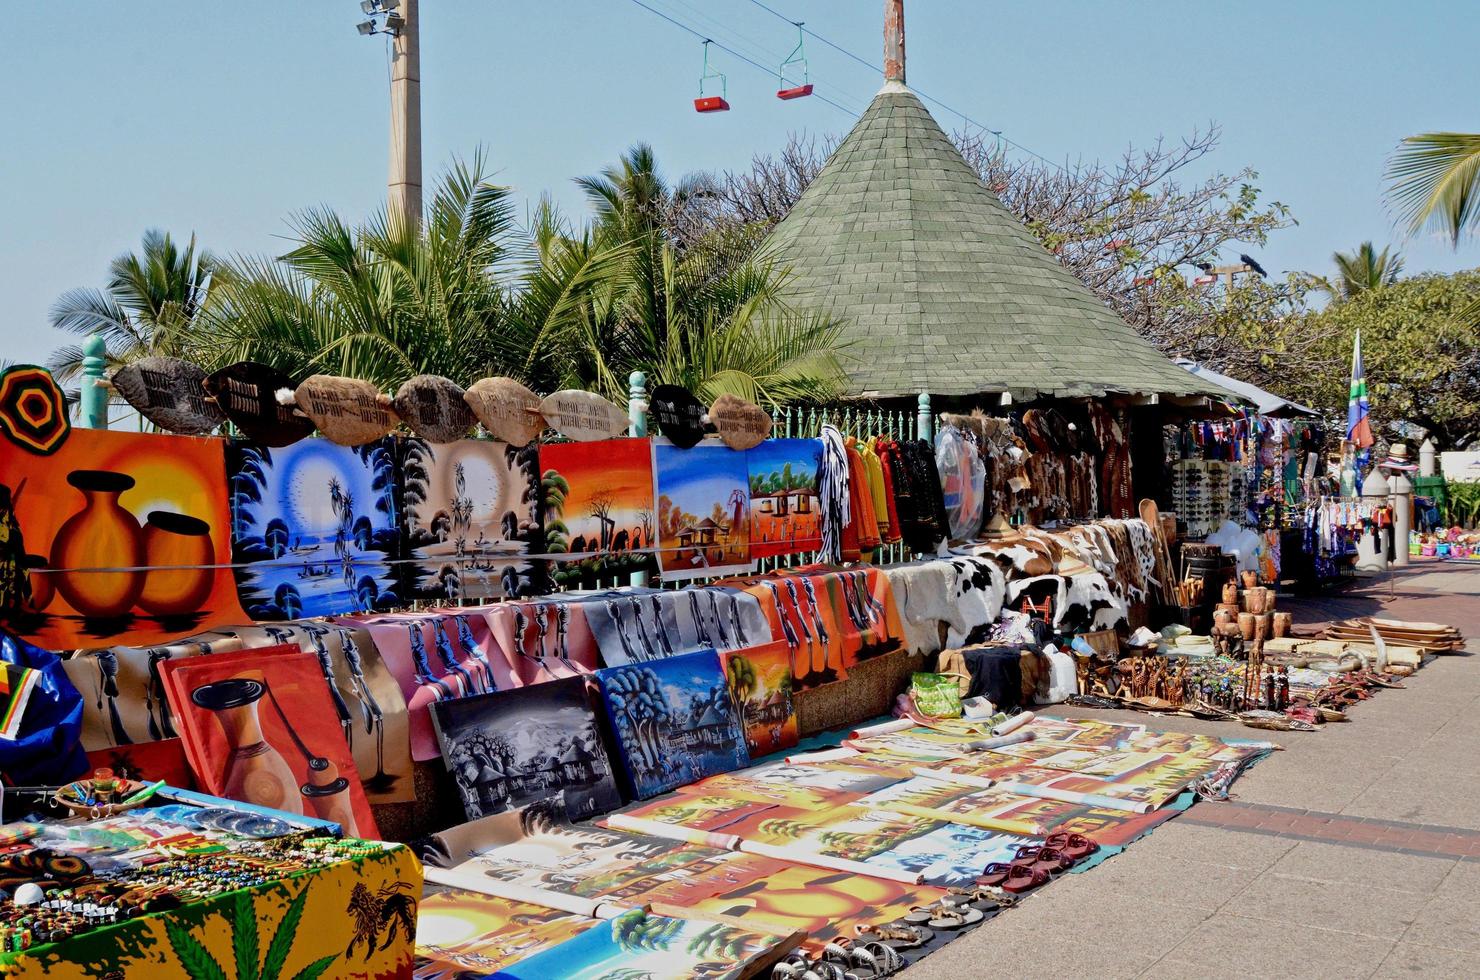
pixel 354 918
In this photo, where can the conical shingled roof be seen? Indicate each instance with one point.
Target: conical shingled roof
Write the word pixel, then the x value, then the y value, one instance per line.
pixel 944 291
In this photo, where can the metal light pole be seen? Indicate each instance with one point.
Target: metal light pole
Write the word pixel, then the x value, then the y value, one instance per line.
pixel 405 175
pixel 402 21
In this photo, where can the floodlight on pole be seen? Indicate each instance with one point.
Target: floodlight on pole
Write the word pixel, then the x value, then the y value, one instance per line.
pixel 366 27
pixel 369 8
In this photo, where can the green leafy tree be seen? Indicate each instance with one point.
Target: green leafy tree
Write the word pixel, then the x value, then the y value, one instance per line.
pixel 149 305
pixel 1422 356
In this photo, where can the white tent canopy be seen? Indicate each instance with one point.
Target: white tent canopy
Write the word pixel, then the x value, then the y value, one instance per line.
pixel 1266 402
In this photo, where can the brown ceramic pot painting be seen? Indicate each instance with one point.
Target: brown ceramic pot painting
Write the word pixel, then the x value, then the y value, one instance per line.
pixel 169 392
pixel 247 394
pixel 107 522
pixel 259 727
pixel 508 410
pixel 583 415
pixel 347 411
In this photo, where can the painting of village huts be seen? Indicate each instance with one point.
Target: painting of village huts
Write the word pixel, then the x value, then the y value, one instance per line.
pixel 596 501
pixel 507 749
pixel 703 511
pixel 471 510
pixel 673 721
pixel 760 686
pixel 785 518
pixel 314 527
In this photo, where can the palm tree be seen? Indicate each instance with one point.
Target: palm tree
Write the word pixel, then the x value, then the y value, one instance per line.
pixel 703 314
pixel 1364 269
pixel 1436 180
pixel 149 305
pixel 452 296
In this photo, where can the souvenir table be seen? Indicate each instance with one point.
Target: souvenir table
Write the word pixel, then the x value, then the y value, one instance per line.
pixel 206 888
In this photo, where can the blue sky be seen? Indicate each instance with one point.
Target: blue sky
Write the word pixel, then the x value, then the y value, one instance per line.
pixel 226 119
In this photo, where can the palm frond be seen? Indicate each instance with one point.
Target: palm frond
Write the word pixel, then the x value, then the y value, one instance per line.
pixel 1436 181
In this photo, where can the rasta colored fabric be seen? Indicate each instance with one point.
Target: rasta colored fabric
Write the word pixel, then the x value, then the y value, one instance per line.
pixel 46 749
pixel 348 918
pixel 16 685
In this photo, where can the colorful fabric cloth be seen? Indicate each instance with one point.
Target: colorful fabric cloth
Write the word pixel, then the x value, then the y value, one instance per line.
pixel 16 685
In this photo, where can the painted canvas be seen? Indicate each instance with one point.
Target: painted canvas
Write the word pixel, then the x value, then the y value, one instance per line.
pixel 785 516
pixel 318 523
pixel 368 705
pixel 124 703
pixel 596 499
pixel 673 720
pixel 511 748
pixel 470 510
pixel 760 685
pixel 703 498
pixel 644 944
pixel 638 625
pixel 151 507
pixel 463 934
pixel 543 639
pixel 259 727
pixel 827 904
pixel 535 848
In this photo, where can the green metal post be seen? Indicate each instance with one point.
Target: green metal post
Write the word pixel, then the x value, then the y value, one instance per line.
pixel 637 426
pixel 93 406
pixel 922 416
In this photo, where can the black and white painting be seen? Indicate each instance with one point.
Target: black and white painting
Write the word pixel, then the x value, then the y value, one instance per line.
pixel 511 748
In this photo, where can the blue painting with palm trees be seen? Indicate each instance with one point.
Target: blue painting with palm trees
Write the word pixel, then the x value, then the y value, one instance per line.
pixel 674 721
pixel 317 522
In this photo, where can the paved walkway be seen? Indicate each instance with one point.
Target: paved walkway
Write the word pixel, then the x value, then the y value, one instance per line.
pixel 1355 852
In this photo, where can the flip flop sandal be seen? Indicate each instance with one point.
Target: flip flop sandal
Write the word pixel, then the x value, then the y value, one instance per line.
pixel 918 916
pixel 955 918
pixel 897 936
pixel 1047 859
pixel 1074 846
pixel 1014 878
pixel 887 957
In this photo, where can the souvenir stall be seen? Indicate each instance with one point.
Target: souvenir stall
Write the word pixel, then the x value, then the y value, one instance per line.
pixel 1243 480
pixel 276 649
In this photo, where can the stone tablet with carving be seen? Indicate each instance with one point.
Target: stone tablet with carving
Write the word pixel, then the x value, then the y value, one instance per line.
pixel 583 415
pixel 508 410
pixel 347 411
pixel 678 414
pixel 168 392
pixel 434 408
pixel 246 392
pixel 741 424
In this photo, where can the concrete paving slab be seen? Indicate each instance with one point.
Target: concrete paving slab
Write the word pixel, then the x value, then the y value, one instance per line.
pixel 1334 863
pixel 1362 909
pixel 1234 946
pixel 1407 960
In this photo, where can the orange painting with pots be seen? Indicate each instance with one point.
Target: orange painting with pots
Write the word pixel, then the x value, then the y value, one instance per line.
pixel 120 531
